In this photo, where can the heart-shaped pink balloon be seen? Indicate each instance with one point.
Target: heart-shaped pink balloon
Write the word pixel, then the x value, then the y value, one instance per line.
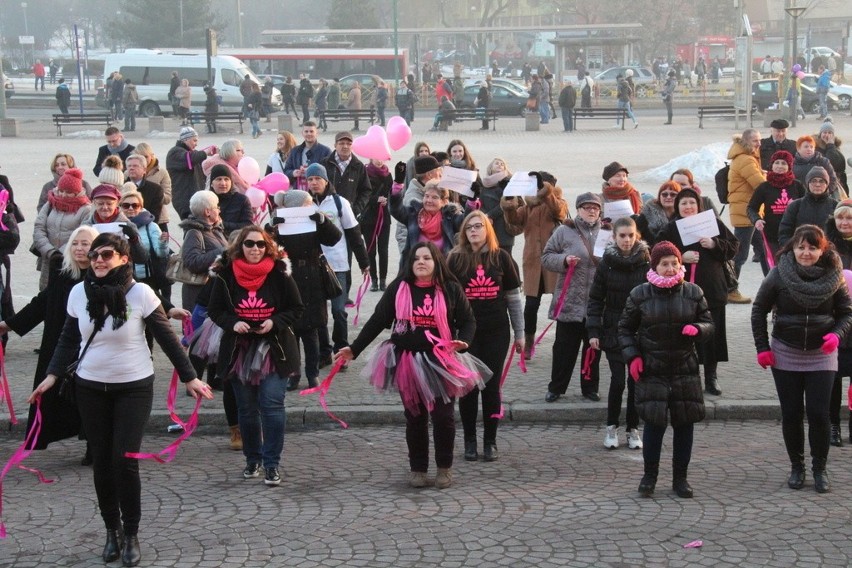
pixel 273 183
pixel 399 133
pixel 257 197
pixel 249 169
pixel 373 144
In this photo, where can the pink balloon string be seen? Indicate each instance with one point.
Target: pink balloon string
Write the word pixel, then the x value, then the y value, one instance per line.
pixel 522 364
pixel 588 361
pixel 692 270
pixel 5 392
pixel 21 453
pixel 322 389
pixel 499 415
pixel 4 201
pixel 380 221
pixel 559 303
pixel 767 250
pixel 362 291
pixel 168 453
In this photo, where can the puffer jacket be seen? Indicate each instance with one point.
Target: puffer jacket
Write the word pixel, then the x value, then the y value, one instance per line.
pixel 161 177
pixel 566 241
pixel 651 327
pixel 835 156
pixel 52 228
pixel 802 165
pixel 615 277
pixel 809 210
pixel 744 177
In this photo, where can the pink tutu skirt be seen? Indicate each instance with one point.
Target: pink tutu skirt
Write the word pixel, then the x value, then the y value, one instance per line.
pixel 420 377
pixel 254 360
pixel 205 342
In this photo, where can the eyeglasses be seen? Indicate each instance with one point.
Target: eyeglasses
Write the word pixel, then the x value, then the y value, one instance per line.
pixel 248 243
pixel 819 181
pixel 104 254
pixel 474 227
pixel 130 206
pixel 668 194
pixel 590 208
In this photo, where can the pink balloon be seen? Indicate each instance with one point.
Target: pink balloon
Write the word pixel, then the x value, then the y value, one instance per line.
pixel 399 133
pixel 373 144
pixel 847 274
pixel 249 170
pixel 257 197
pixel 273 183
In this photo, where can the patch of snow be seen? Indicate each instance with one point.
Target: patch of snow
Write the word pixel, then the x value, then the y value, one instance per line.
pixel 703 163
pixel 85 134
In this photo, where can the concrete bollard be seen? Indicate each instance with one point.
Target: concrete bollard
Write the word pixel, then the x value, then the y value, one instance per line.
pixel 533 121
pixel 156 123
pixel 9 128
pixel 285 122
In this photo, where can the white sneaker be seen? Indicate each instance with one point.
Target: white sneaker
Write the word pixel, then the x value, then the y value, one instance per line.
pixel 634 439
pixel 611 439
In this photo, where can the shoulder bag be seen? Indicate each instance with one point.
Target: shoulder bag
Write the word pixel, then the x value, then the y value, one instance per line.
pixel 176 271
pixel 330 284
pixel 67 384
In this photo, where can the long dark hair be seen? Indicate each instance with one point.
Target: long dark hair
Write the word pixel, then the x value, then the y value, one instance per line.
pixel 815 237
pixel 441 274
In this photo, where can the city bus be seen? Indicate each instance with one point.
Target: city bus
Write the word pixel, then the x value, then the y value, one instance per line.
pixel 322 63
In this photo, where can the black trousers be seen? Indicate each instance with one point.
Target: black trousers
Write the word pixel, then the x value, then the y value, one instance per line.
pixel 380 247
pixel 490 344
pixel 531 309
pixel 443 430
pixel 815 388
pixel 652 445
pixel 844 369
pixel 571 338
pixel 616 390
pixel 114 418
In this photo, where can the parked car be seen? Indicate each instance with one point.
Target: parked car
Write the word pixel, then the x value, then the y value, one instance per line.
pixel 643 78
pixel 764 93
pixel 503 82
pixel 506 100
pixel 8 86
pixel 843 92
pixel 368 84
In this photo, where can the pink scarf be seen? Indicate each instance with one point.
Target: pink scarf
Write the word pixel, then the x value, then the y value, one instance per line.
pixel 404 309
pixel 665 281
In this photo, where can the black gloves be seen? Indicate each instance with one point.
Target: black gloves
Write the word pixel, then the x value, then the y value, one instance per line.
pixel 277 220
pixel 317 217
pixel 538 181
pixel 130 231
pixel 399 172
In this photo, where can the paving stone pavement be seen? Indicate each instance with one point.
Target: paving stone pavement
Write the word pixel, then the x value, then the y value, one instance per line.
pixel 555 497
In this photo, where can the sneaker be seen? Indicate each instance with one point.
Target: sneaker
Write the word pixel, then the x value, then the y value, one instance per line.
pixel 736 298
pixel 418 479
pixel 272 477
pixel 444 478
pixel 251 470
pixel 634 439
pixel 611 438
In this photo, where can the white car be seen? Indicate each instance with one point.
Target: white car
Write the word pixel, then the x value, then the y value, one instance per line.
pixel 843 92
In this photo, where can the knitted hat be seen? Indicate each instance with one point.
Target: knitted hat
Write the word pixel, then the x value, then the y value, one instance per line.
pixel 71 181
pixel 686 192
pixel 106 190
pixel 293 198
pixel 425 164
pixel 588 197
pixel 827 126
pixel 845 203
pixel 187 133
pixel 613 169
pixel 663 249
pixel 220 170
pixel 817 172
pixel 110 172
pixel 779 124
pixel 782 155
pixel 316 170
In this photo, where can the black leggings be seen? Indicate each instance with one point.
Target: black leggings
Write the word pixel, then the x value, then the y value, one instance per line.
pixel 652 444
pixel 114 418
pixel 531 309
pixel 443 430
pixel 616 390
pixel 815 388
pixel 490 344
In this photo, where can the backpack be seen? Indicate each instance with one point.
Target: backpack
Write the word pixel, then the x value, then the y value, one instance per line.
pixel 722 182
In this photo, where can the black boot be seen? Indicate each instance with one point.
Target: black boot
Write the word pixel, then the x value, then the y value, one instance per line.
pixel 293 382
pixel 112 547
pixel 821 483
pixel 836 438
pixel 711 384
pixel 797 476
pixel 679 483
pixel 490 453
pixel 649 480
pixel 130 552
pixel 470 453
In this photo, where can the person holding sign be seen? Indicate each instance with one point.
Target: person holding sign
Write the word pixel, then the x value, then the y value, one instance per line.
pixel 436 220
pixel 617 188
pixel 704 258
pixel 624 266
pixel 495 181
pixel 569 252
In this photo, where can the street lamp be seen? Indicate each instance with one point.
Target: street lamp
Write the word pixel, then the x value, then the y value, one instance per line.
pixel 26 25
pixel 794 12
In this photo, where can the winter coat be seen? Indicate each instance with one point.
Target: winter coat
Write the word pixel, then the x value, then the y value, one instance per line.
pixel 149 237
pixel 801 167
pixel 566 241
pixel 317 153
pixel 202 244
pixel 768 146
pixel 130 98
pixel 615 277
pixel 451 219
pixel 381 187
pixel 321 100
pixel 354 100
pixel 235 211
pixel 651 327
pixel 184 96
pixel 568 97
pixel 278 285
pixel 352 184
pixel 52 228
pixel 537 219
pixel 837 159
pixel 490 198
pixel 238 183
pixel 809 210
pixel 333 96
pixel 161 177
pixel 843 247
pixel 774 202
pixel 51 185
pixel 743 178
pixel 63 95
pixel 184 168
pixel 104 152
pixel 652 221
pixel 306 92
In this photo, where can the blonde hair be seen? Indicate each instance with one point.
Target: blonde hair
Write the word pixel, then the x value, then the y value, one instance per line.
pixel 69 265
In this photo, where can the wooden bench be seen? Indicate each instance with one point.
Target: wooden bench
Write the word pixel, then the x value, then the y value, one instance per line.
pixel 463 114
pixel 610 113
pixel 216 118
pixel 716 111
pixel 99 118
pixel 344 114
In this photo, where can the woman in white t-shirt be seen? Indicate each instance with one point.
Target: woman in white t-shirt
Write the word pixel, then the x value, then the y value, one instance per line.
pixel 107 316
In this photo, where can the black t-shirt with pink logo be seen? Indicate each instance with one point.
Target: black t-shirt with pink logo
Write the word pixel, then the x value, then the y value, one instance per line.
pixel 774 202
pixel 485 287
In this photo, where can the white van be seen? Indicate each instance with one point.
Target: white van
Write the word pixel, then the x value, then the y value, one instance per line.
pixel 151 72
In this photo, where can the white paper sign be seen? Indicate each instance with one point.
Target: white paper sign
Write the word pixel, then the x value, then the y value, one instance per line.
pixel 694 228
pixel 458 180
pixel 108 228
pixel 297 220
pixel 604 238
pixel 617 209
pixel 521 184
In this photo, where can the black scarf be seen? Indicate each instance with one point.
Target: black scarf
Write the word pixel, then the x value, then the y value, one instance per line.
pixel 809 286
pixel 106 296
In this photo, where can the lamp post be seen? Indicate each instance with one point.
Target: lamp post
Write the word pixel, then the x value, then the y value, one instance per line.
pixel 794 12
pixel 181 24
pixel 396 45
pixel 240 23
pixel 26 27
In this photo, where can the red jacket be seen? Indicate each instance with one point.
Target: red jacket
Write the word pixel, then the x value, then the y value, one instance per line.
pixel 38 69
pixel 442 90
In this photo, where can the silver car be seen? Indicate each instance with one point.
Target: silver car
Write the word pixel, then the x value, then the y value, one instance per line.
pixel 643 79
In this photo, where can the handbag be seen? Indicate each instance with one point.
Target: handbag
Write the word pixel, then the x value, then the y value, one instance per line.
pixel 330 284
pixel 67 384
pixel 176 271
pixel 730 275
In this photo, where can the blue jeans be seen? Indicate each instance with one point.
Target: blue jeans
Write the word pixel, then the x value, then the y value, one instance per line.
pixel 261 411
pixel 568 119
pixel 340 331
pixel 823 104
pixel 255 127
pixel 626 106
pixel 743 235
pixel 544 112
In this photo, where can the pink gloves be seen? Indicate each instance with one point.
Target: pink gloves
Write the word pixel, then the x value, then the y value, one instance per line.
pixel 636 368
pixel 474 204
pixel 766 359
pixel 849 396
pixel 831 341
pixel 689 330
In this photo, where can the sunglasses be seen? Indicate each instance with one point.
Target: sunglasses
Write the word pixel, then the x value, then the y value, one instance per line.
pixel 130 206
pixel 668 194
pixel 104 254
pixel 248 243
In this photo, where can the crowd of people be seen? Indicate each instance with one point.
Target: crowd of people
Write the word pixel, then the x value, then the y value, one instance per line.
pixel 626 280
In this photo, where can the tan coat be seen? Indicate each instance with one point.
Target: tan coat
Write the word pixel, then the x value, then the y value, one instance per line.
pixel 744 177
pixel 537 221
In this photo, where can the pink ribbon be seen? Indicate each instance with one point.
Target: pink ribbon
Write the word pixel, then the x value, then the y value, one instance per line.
pixel 499 415
pixel 559 303
pixel 693 269
pixel 522 364
pixel 322 389
pixel 767 252
pixel 22 453
pixel 4 201
pixel 380 221
pixel 362 291
pixel 694 544
pixel 588 361
pixel 5 392
pixel 849 396
pixel 168 453
pixel 446 356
